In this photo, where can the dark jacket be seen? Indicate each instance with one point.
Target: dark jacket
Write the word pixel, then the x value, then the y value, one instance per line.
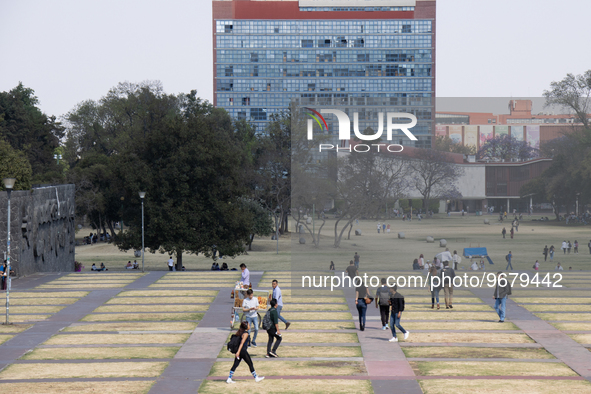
pixel 503 291
pixel 450 274
pixel 274 316
pixel 397 302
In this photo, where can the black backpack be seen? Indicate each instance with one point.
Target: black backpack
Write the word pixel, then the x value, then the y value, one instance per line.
pixel 384 294
pixel 234 344
pixel 267 323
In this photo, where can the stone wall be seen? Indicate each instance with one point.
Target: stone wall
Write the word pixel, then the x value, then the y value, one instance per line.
pixel 42 229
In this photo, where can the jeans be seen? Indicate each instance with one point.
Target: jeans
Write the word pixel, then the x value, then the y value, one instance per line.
pixel 361 309
pixel 272 333
pixel 357 265
pixel 253 322
pixel 384 314
pixel 500 307
pixel 551 255
pixel 279 308
pixel 509 265
pixel 435 295
pixel 395 322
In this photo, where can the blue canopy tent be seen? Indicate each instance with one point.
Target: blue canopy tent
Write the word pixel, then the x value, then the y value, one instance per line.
pixel 475 253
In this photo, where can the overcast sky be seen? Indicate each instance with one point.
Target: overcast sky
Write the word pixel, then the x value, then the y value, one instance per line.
pixel 73 50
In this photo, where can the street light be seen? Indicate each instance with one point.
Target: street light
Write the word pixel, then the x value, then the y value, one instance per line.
pixel 8 184
pixel 58 158
pixel 142 195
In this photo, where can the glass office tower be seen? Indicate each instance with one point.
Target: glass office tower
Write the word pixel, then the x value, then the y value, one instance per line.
pixel 368 56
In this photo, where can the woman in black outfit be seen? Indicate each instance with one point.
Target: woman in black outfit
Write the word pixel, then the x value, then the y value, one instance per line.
pixel 360 293
pixel 242 353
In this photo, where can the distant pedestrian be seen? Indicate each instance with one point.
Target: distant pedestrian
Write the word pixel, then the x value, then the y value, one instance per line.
pixel 379 227
pixel 558 267
pixel 516 225
pixel 361 294
pixel 421 261
pixel 331 267
pixel 456 260
pixel 384 228
pixel 564 246
pixel 512 232
pixel 245 278
pixel 383 302
pixel 352 270
pixel 276 295
pixel 170 263
pixel 388 229
pixel 508 258
pixel 504 232
pixel 501 293
pixel 545 252
pixel 250 306
pixel 434 285
pixel 273 332
pixel 551 252
pixel 448 287
pixel 576 246
pixel 537 265
pixel 356 258
pixel 397 305
pixel 242 353
pixel 569 246
pixel 589 245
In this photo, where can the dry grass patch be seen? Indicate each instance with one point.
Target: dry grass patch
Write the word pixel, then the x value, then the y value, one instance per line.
pixel 316 316
pixel 181 285
pixel 450 314
pixel 468 337
pixel 475 352
pixel 572 326
pixel 490 368
pixel 90 370
pixel 301 351
pixel 167 293
pixel 35 309
pixel 314 300
pixel 456 300
pixel 581 338
pixel 139 326
pixel 118 387
pixel 317 325
pixel 557 308
pixel 13 328
pixel 115 339
pixel 42 301
pixel 101 353
pixel 550 293
pixel 27 318
pixel 564 316
pixel 160 300
pixel 151 308
pixel 82 286
pixel 287 386
pixel 553 300
pixel 52 294
pixel 306 292
pixel 459 326
pixel 317 337
pixel 294 368
pixel 456 307
pixel 315 307
pixel 504 386
pixel 4 338
pixel 142 317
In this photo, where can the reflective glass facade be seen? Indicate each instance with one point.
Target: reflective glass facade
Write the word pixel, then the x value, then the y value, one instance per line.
pixel 261 65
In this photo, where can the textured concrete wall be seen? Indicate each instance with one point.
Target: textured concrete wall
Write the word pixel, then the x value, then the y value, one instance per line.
pixel 42 229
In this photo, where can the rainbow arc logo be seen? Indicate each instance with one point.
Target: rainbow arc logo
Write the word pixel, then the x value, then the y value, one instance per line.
pixel 316 115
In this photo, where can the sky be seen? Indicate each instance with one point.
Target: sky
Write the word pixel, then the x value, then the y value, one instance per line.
pixel 72 50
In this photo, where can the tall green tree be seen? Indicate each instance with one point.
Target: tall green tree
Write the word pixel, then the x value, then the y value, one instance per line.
pixel 14 164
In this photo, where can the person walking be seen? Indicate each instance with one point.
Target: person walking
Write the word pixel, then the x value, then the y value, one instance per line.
pixel 379 227
pixel 504 232
pixel 551 252
pixel 242 354
pixel 388 229
pixel 502 292
pixel 352 270
pixel 536 265
pixel 250 306
pixel 448 276
pixel 397 305
pixel 356 258
pixel 508 258
pixel 421 261
pixel 564 246
pixel 569 246
pixel 245 278
pixel 331 267
pixel 512 232
pixel 383 228
pixel 516 225
pixel 545 252
pixel 456 260
pixel 361 293
pixel 383 302
pixel 576 247
pixel 276 295
pixel 170 263
pixel 273 332
pixel 434 285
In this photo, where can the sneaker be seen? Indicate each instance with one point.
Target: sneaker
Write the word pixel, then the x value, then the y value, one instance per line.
pixel 384 328
pixel 387 327
pixel 273 354
pixel 394 339
pixel 267 355
pixel 230 381
pixel 254 344
pixel 259 378
pixel 451 306
pixel 287 325
pixel 406 335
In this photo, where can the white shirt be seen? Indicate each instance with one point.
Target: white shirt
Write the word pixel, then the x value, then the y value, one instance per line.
pixel 474 266
pixel 246 276
pixel 170 262
pixel 559 268
pixel 277 296
pixel 564 245
pixel 248 303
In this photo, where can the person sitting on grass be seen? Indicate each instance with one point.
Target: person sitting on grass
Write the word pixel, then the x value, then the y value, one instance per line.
pixel 129 266
pixel 415 265
pixel 103 268
pixel 558 268
pixel 224 267
pixel 136 266
pixel 93 268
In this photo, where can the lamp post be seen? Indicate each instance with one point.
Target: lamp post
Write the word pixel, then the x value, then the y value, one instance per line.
pixel 142 195
pixel 8 184
pixel 58 158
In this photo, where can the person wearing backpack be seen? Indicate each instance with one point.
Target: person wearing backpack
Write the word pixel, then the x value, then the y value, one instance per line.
pixel 238 345
pixel 271 324
pixel 383 300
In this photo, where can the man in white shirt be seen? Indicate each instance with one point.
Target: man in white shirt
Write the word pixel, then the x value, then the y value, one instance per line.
pixel 250 305
pixel 559 268
pixel 170 263
pixel 245 275
pixel 276 294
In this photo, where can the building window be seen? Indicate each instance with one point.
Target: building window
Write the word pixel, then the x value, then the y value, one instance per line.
pixel 229 71
pixel 258 114
pixel 241 115
pixel 324 43
pixel 364 57
pixel 307 43
pixel 228 28
pixel 254 57
pixel 245 100
pixel 359 43
pixel 406 29
pixel 341 42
